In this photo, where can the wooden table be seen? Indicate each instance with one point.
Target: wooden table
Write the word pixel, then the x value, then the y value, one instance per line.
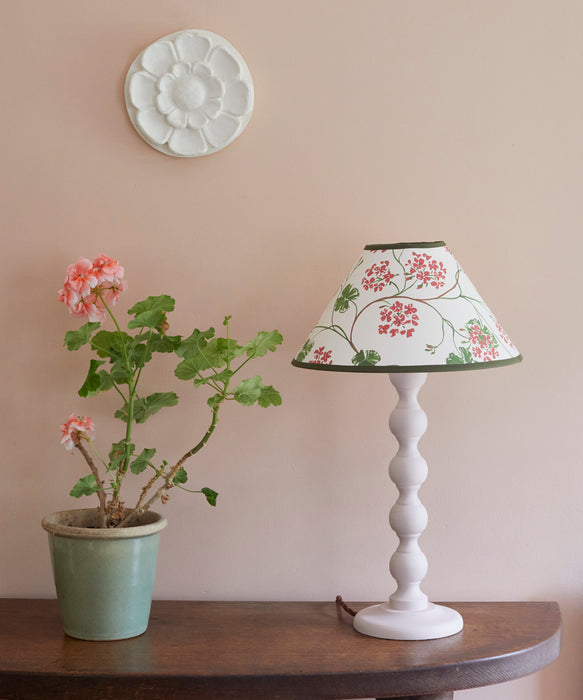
pixel 261 651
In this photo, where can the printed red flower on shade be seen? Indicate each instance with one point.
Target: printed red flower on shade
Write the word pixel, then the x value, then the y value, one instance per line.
pixel 377 276
pixel 322 356
pixel 426 270
pixel 503 335
pixel 76 429
pixel 90 285
pixel 482 344
pixel 399 319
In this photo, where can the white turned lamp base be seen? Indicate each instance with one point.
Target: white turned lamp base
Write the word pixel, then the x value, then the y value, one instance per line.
pixel 434 622
pixel 408 615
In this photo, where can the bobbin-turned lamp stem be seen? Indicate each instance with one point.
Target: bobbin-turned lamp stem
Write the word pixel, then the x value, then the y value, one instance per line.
pixel 408 614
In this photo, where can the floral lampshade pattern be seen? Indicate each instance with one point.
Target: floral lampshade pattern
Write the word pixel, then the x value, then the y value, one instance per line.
pixel 407 307
pixel 189 93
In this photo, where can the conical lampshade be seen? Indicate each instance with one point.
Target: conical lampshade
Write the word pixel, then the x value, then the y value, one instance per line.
pixel 406 307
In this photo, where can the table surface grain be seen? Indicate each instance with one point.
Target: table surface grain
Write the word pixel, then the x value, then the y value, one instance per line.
pixel 260 650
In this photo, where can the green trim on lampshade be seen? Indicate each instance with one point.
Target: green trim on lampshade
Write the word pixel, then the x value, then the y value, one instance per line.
pixel 413 368
pixel 399 246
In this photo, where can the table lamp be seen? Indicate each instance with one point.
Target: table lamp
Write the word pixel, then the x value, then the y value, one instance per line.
pixel 407 309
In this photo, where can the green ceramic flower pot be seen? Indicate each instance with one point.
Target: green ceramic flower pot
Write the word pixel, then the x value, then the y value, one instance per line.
pixel 104 578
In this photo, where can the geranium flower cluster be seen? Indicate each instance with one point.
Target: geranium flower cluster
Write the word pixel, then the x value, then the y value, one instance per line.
pixel 75 429
pixel 90 285
pixel 399 318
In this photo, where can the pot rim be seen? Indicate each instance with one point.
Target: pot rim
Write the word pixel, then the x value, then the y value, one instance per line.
pixel 67 523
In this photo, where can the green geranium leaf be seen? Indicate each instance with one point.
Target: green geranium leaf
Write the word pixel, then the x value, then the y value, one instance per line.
pixel 249 390
pixel 187 369
pixel 140 354
pixel 154 318
pixel 164 343
pixel 348 295
pixel 92 383
pixel 84 487
pixel 76 339
pixel 142 460
pixel 264 342
pixel 210 495
pixel 153 403
pixel 117 453
pixel 162 303
pixel 366 359
pixel 220 377
pixel 119 373
pixel 190 347
pixel 219 351
pixel 106 380
pixel 181 477
pixel 214 354
pixel 144 407
pixel 110 343
pixel 269 397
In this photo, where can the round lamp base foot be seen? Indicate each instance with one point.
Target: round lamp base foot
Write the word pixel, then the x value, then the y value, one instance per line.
pixel 433 622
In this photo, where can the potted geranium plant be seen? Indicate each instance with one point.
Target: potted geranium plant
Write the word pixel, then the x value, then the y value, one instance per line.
pixel 102 594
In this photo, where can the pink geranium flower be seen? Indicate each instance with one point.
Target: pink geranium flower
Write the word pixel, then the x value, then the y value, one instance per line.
pixel 81 277
pixel 88 307
pixel 107 269
pixel 90 285
pixel 110 292
pixel 75 429
pixel 68 296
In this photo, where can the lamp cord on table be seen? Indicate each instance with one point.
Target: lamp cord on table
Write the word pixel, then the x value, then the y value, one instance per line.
pixel 340 603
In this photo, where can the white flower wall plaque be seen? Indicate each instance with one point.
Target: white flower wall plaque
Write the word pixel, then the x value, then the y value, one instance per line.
pixel 189 93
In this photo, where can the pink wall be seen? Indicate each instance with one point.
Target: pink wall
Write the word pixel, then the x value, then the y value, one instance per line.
pixel 374 121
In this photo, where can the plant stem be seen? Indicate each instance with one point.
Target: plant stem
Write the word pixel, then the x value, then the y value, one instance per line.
pixel 130 406
pixel 168 481
pixel 99 457
pixel 98 481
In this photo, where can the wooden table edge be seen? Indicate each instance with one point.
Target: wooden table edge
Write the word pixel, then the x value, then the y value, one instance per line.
pixel 443 679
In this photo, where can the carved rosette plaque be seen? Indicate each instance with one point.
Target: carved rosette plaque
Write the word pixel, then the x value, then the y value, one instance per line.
pixel 189 93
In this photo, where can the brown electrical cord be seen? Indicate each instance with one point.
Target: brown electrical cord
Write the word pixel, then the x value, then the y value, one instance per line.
pixel 344 607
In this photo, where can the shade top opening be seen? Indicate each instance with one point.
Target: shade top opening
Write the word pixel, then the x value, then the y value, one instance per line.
pixel 396 246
